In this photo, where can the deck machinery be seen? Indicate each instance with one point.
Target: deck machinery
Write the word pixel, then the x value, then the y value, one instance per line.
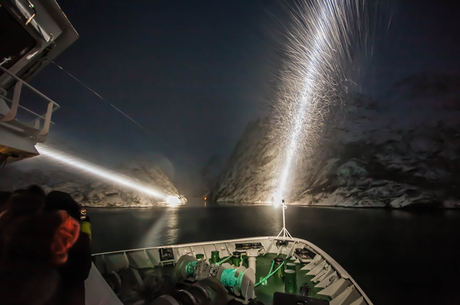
pixel 264 270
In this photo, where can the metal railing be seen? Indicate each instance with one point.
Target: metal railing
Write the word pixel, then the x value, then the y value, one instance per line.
pixel 34 129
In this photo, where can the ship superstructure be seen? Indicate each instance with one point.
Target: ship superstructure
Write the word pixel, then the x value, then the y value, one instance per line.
pixel 33 33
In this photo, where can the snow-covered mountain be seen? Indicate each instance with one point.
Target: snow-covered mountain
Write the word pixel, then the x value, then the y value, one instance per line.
pixel 90 191
pixel 402 151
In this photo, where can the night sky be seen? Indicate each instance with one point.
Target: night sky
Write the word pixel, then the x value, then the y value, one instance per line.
pixel 195 73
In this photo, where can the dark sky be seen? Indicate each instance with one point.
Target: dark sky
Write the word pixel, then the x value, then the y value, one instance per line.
pixel 423 36
pixel 195 72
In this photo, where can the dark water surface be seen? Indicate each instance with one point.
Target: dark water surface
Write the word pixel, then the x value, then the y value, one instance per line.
pixel 397 257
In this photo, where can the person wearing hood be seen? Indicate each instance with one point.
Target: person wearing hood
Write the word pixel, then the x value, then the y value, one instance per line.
pixel 75 270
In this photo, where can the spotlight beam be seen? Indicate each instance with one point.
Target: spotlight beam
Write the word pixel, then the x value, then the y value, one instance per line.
pixel 324 49
pixel 314 61
pixel 97 171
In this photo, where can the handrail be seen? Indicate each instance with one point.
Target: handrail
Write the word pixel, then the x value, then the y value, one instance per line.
pixel 5 60
pixel 11 115
pixel 26 109
pixel 31 88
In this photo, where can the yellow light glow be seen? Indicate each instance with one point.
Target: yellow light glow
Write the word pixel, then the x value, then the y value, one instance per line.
pixel 173 200
pixel 276 200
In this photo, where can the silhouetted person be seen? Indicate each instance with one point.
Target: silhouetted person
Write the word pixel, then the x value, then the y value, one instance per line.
pixel 57 200
pixel 19 191
pixel 21 204
pixel 18 205
pixel 34 247
pixel 3 198
pixel 76 270
pixel 36 190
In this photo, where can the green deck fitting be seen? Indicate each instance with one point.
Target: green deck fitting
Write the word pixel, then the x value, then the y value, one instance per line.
pixel 245 259
pixel 264 293
pixel 274 284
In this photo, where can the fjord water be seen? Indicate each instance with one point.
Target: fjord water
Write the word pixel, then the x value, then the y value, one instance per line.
pixel 397 257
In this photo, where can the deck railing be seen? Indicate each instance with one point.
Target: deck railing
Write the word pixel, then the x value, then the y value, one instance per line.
pixel 36 129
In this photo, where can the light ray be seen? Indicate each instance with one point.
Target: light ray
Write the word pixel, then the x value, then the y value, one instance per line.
pixel 100 172
pixel 323 47
pixel 294 138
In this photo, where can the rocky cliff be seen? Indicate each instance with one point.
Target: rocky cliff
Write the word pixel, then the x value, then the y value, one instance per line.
pixel 90 191
pixel 403 151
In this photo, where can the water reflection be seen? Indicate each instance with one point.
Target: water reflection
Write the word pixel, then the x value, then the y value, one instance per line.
pixel 164 231
pixel 172 227
pixel 400 214
pixel 275 218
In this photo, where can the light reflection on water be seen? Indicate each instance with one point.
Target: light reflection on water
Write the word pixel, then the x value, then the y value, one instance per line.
pixel 164 231
pixel 118 229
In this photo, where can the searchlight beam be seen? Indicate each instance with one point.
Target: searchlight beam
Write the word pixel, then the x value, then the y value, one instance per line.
pixel 313 64
pixel 103 173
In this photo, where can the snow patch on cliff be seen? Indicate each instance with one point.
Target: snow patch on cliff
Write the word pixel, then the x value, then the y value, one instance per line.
pixel 402 156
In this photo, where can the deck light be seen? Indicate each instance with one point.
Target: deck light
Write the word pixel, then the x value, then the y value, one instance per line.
pixel 284 233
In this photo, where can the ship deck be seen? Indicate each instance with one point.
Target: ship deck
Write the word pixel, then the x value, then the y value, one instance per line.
pixel 128 273
pixel 264 293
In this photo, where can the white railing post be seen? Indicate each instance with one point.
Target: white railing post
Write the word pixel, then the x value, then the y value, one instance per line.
pixel 46 125
pixel 32 129
pixel 11 115
pixel 37 123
